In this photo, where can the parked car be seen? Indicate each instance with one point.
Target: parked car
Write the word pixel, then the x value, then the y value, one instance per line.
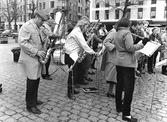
pixel 1 30
pixel 14 34
pixel 6 33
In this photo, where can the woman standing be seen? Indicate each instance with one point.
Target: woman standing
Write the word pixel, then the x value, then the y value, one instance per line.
pixel 108 63
pixel 125 66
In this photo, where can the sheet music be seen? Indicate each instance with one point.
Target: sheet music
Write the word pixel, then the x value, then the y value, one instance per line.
pixel 150 48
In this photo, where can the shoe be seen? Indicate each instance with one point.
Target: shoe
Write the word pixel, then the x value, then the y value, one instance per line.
pixel 39 102
pixel 47 78
pixel 70 96
pixel 76 92
pixel 110 95
pixel 77 86
pixel 34 110
pixel 150 72
pixel 129 119
pixel 119 110
pixel 88 79
pixel 84 83
pixel 91 73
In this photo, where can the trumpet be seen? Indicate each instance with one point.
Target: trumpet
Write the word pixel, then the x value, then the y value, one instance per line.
pixel 137 36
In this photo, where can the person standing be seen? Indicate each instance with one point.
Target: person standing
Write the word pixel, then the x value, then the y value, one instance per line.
pixel 75 44
pixel 125 67
pixel 108 63
pixel 29 39
pixel 46 32
pixel 164 51
pixel 155 37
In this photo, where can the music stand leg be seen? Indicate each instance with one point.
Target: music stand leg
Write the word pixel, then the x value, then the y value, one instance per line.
pixel 155 84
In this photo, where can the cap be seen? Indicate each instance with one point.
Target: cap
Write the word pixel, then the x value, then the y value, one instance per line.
pixel 85 18
pixel 42 14
pixel 155 28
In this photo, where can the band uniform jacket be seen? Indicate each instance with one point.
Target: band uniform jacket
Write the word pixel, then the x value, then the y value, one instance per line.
pixel 108 59
pixel 125 49
pixel 30 42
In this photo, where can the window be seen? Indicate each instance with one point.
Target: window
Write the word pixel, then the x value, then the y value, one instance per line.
pixel 153 12
pixel 106 14
pixel 107 4
pixel 97 15
pixel 43 5
pixel 78 9
pixel 140 13
pixel 153 1
pixel 97 5
pixel 117 2
pixel 140 2
pixel 51 4
pixel 165 12
pixel 128 13
pixel 116 14
pixel 40 6
pixel 69 16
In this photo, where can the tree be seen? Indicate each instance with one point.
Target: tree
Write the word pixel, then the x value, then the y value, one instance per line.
pixel 7 12
pixel 15 12
pixel 123 5
pixel 32 7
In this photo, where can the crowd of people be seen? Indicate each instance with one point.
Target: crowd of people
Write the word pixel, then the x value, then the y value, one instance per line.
pixel 118 48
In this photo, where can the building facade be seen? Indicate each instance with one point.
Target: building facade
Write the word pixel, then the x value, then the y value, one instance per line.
pixel 74 9
pixel 108 11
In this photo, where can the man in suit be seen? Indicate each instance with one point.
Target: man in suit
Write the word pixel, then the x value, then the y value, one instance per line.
pixel 29 39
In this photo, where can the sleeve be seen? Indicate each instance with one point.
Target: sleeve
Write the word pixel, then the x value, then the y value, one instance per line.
pixel 128 39
pixel 81 40
pixel 25 42
pixel 108 41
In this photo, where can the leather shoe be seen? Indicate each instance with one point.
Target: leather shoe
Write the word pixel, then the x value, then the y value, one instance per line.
pixel 77 86
pixel 39 102
pixel 84 83
pixel 76 92
pixel 129 119
pixel 70 96
pixel 47 78
pixel 110 95
pixel 34 110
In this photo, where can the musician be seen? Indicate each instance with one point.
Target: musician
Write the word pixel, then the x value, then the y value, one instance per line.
pixel 152 60
pixel 164 51
pixel 108 63
pixel 46 31
pixel 125 67
pixel 31 49
pixel 96 40
pixel 145 29
pixel 76 43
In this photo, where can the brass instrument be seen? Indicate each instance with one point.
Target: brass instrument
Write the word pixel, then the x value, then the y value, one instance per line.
pixel 83 53
pixel 137 36
pixel 55 39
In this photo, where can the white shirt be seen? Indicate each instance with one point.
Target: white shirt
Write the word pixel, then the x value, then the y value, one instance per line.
pixel 76 42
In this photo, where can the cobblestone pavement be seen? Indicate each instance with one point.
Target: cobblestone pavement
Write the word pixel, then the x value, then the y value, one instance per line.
pixel 88 107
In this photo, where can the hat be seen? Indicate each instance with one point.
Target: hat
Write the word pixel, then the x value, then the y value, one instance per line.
pixel 154 29
pixel 85 18
pixel 42 14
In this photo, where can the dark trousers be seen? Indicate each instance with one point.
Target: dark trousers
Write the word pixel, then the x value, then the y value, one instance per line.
pixel 77 74
pixel 72 74
pixel 126 80
pixel 152 61
pixel 32 92
pixel 47 65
